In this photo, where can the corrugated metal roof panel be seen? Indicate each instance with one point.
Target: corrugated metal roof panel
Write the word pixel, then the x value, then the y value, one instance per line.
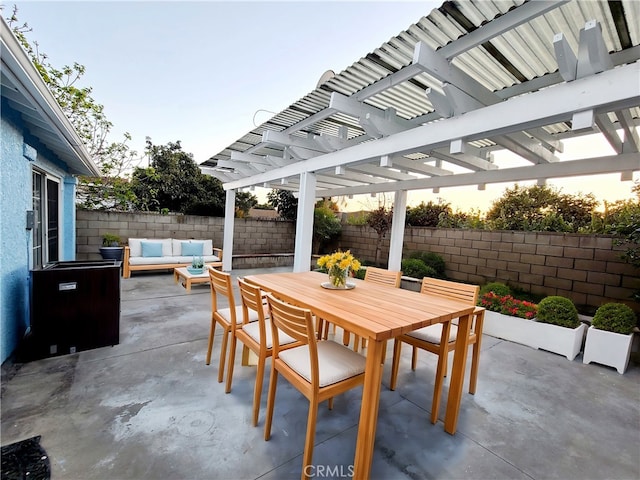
pixel 515 57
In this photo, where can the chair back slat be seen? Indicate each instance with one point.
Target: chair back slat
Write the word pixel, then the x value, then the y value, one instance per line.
pixel 251 297
pixel 294 321
pixel 381 276
pixel 463 292
pixel 221 285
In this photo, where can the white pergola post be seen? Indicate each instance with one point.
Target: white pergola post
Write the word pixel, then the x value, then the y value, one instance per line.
pixel 229 220
pixel 397 230
pixel 304 224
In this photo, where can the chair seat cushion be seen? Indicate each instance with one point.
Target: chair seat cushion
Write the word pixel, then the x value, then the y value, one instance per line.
pixel 226 314
pixel 433 333
pixel 253 330
pixel 335 362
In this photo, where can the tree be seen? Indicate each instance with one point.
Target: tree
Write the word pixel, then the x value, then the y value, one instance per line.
pixel 541 208
pixel 173 182
pixel 87 116
pixel 245 201
pixel 380 220
pixel 284 202
pixel 427 214
pixel 625 222
pixel 326 225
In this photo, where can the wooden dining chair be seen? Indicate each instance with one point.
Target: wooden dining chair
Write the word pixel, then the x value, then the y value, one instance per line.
pixel 441 338
pixel 379 276
pixel 221 288
pixel 319 369
pixel 256 337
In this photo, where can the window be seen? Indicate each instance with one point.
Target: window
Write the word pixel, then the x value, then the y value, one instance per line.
pixel 46 228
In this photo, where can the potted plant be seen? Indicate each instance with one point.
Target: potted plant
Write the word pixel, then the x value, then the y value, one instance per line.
pixel 610 336
pixel 552 325
pixel 507 317
pixel 197 266
pixel 558 329
pixel 111 249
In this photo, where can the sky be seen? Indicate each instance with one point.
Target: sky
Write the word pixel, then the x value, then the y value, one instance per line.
pixel 206 73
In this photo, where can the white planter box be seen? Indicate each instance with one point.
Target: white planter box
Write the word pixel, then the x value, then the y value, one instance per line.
pixel 514 329
pixel 608 348
pixel 560 340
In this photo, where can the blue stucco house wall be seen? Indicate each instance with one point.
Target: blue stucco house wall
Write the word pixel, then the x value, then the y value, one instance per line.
pixel 35 136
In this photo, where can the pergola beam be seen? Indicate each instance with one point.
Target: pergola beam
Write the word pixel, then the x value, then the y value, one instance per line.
pixel 609 91
pixel 591 166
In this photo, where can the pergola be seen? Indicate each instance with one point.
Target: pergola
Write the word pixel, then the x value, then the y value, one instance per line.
pixel 429 108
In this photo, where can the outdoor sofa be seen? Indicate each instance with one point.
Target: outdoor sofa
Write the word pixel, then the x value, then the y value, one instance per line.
pixel 167 253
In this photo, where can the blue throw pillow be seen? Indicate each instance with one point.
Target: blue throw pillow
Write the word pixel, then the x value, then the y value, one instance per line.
pixel 151 249
pixel 192 249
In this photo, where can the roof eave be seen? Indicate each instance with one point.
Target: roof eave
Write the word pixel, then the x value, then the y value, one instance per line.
pixel 32 86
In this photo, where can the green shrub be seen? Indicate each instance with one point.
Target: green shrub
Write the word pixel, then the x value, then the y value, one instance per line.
pixel 558 310
pixel 416 268
pixel 498 288
pixel 432 260
pixel 615 317
pixel 360 273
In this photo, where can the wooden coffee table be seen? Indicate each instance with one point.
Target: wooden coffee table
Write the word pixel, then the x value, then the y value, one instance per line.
pixel 189 278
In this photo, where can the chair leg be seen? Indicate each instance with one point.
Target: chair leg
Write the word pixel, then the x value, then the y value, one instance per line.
pixel 232 361
pixel 325 330
pixel 440 371
pixel 414 358
pixel 212 332
pixel 446 364
pixel 245 356
pixel 257 390
pixel 397 346
pixel 475 362
pixel 271 398
pixel 321 328
pixel 223 354
pixel 307 457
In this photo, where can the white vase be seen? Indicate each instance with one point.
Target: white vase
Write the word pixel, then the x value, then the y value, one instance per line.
pixel 608 348
pixel 339 280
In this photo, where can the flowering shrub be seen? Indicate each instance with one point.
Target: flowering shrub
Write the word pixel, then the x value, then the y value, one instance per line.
pixel 508 305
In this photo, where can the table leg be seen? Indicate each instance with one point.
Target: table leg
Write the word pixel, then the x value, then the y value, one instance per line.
pixel 457 375
pixel 188 285
pixel 369 411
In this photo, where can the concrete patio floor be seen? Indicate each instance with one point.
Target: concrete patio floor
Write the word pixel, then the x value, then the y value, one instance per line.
pixel 149 408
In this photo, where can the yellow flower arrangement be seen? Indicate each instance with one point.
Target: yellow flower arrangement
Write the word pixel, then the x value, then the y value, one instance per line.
pixel 338 265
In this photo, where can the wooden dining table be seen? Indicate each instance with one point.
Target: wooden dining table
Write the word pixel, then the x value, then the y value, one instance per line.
pixel 377 313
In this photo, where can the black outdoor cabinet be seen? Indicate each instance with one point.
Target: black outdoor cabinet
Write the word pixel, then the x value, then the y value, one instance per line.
pixel 75 306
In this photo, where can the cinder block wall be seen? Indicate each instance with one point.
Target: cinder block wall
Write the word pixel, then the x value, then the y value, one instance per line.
pixel 585 268
pixel 251 236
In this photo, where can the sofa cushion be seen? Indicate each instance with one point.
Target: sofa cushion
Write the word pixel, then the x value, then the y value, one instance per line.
pixel 192 248
pixel 169 260
pixel 207 246
pixel 151 249
pixel 135 246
